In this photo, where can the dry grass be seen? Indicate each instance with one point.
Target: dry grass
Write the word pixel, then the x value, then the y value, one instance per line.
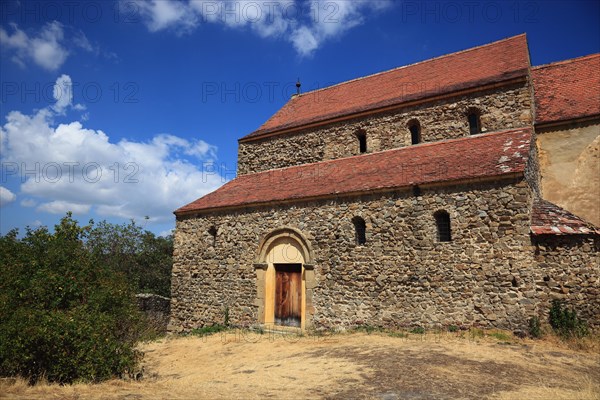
pixel 252 366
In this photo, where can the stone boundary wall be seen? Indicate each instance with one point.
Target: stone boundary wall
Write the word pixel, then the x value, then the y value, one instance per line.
pixel 489 275
pixel 502 108
pixel 569 270
pixel 157 309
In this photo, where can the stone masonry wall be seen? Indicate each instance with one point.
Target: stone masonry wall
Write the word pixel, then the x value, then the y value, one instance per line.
pixel 503 108
pixel 487 275
pixel 569 270
pixel 157 309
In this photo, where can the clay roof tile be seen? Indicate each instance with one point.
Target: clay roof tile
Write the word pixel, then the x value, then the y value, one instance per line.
pixel 473 157
pixel 549 219
pixel 568 89
pixel 490 63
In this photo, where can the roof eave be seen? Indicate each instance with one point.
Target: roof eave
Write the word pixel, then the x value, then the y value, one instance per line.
pixel 489 178
pixel 567 120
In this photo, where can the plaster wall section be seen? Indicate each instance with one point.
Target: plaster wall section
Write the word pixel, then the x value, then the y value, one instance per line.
pixel 569 158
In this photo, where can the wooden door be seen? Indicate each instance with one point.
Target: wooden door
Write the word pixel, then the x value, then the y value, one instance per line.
pixel 288 294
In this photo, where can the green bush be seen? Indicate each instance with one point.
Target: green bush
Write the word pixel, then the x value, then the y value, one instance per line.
pixel 419 330
pixel 144 258
pixel 208 330
pixel 565 322
pixel 64 314
pixel 535 329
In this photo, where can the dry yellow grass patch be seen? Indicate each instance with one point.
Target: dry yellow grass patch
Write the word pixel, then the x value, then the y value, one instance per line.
pixel 251 366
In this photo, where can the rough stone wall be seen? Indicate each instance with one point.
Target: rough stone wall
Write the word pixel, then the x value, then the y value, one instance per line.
pixel 570 168
pixel 487 275
pixel 569 270
pixel 503 108
pixel 157 309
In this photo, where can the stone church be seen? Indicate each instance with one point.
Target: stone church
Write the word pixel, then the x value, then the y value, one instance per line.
pixel 461 190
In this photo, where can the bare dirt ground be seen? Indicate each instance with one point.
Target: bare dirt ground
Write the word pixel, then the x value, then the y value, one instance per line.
pixel 242 365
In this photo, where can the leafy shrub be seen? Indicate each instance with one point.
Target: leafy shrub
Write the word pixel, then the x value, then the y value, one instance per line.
pixel 565 322
pixel 419 330
pixel 64 314
pixel 453 328
pixel 535 329
pixel 208 330
pixel 144 258
pixel 368 329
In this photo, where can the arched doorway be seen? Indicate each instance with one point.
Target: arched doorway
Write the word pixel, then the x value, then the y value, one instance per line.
pixel 285 279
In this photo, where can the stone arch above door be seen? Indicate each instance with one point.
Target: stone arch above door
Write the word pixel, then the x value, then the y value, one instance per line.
pixel 278 235
pixel 285 245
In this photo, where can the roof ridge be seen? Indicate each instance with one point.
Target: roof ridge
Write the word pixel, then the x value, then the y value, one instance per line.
pixel 410 65
pixel 568 61
pixel 405 148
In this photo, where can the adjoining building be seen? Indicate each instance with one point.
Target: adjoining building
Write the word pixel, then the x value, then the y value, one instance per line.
pixel 412 197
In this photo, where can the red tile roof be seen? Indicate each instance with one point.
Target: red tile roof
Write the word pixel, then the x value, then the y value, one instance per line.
pixel 491 63
pixel 485 155
pixel 549 219
pixel 568 89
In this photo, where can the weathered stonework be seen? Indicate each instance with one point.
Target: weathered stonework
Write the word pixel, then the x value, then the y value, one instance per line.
pixel 488 275
pixel 503 108
pixel 568 269
pixel 157 309
pixel 285 239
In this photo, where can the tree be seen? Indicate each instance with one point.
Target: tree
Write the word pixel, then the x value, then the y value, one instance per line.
pixel 66 314
pixel 145 259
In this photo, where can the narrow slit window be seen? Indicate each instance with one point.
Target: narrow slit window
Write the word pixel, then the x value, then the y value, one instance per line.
pixel 415 132
pixel 442 220
pixel 212 231
pixel 362 142
pixel 360 230
pixel 474 122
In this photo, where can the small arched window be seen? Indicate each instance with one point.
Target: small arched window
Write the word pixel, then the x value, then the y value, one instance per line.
pixel 360 230
pixel 362 141
pixel 444 232
pixel 474 121
pixel 415 131
pixel 212 231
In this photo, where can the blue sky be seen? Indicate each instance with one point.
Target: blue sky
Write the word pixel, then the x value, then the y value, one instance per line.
pixel 129 109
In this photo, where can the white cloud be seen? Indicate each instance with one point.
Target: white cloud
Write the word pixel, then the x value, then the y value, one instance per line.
pixel 82 170
pixel 63 95
pixel 6 196
pixel 61 207
pixel 48 48
pixel 28 203
pixel 45 49
pixel 160 14
pixel 306 24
